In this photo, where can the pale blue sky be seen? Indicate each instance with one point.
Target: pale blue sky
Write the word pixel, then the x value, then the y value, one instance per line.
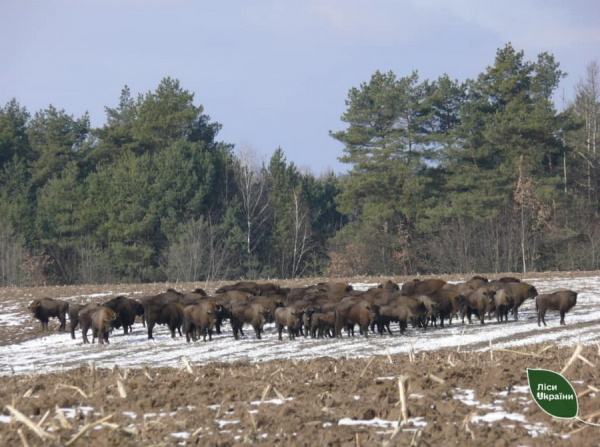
pixel 273 72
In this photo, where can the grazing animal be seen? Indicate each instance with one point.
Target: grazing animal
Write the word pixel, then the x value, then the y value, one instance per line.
pixel 45 308
pixel 561 300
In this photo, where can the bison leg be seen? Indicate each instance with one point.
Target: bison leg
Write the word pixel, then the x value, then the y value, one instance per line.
pixel 562 317
pixel 403 326
pixel 150 326
pixel 279 331
pixel 84 330
pixel 73 327
pixel 257 331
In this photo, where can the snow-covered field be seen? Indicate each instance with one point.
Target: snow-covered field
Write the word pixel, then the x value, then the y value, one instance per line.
pixel 58 351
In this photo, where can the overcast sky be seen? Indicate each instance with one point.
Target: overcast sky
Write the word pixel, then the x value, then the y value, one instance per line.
pixel 272 72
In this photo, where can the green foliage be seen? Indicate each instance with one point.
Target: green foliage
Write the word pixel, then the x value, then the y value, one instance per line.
pixel 443 176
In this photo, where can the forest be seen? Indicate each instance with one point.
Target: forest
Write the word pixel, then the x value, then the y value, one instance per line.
pixel 485 175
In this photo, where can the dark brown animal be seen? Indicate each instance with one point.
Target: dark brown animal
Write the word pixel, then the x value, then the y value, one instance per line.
pixel 200 319
pixel 127 309
pixel 322 323
pixel 447 304
pixel 349 313
pixel 74 310
pixel 288 317
pixel 502 301
pixel 431 309
pixel 248 313
pixel 100 325
pixel 478 302
pixel 45 308
pixel 520 291
pixel 163 308
pixel 509 279
pixel 103 321
pixel 393 314
pixel 271 302
pixel 244 286
pixel 335 291
pixel 417 308
pixel 561 300
pixel 422 287
pixel 389 286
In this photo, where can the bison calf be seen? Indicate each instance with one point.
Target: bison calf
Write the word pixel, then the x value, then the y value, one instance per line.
pixel 562 301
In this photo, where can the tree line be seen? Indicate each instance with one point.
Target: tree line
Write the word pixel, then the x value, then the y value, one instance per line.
pixel 444 176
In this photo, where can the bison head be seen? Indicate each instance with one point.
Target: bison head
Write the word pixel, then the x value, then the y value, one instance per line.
pixel 34 305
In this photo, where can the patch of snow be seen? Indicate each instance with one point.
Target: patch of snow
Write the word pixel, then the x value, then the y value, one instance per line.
pixel 224 423
pixel 181 435
pixel 498 416
pixel 376 422
pixel 57 351
pixel 272 401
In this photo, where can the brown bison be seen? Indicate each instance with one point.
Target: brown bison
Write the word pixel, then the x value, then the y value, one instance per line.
pixel 562 301
pixel 288 317
pixel 253 314
pixel 422 287
pixel 520 291
pixel 322 323
pixel 393 314
pixel 389 285
pixel 447 304
pixel 163 308
pixel 127 309
pixel 251 287
pixel 74 310
pixel 349 313
pixel 502 301
pixel 200 319
pixel 478 302
pixel 100 319
pixel 45 308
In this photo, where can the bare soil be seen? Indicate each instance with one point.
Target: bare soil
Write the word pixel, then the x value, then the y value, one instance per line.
pixel 219 404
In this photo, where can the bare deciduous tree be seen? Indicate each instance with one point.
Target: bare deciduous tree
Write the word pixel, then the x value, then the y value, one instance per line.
pixel 253 192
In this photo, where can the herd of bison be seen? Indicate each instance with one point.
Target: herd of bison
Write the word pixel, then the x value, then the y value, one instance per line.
pixel 321 310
